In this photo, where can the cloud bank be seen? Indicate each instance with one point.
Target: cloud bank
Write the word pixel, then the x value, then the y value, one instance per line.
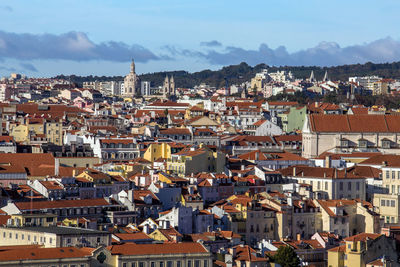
pixel 211 43
pixel 324 54
pixel 74 46
pixel 27 48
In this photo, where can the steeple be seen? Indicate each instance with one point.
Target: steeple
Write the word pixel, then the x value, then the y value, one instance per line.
pixel 172 85
pixel 326 77
pixel 312 78
pixel 133 66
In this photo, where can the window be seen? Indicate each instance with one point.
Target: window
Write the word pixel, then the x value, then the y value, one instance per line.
pixel 349 186
pixel 178 264
pixel 358 186
pixel 197 263
pixel 161 264
pixel 152 264
pixel 341 186
pixel 362 143
pixel 141 264
pixel 189 263
pixel 133 264
pixel 393 189
pixel 393 175
pixel 124 264
pixel 22 236
pixel 392 203
pixel 169 263
pixel 205 264
pixel 326 185
pixel 387 174
pixel 16 236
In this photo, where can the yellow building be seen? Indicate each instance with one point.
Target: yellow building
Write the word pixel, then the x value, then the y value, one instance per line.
pixel 361 249
pixel 191 160
pixel 54 131
pixel 19 132
pixel 42 219
pixel 156 151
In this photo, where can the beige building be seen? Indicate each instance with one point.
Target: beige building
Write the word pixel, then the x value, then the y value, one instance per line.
pixel 130 82
pixel 387 205
pixel 53 236
pixel 54 131
pixel 361 249
pixel 349 133
pixel 347 217
pixel 329 183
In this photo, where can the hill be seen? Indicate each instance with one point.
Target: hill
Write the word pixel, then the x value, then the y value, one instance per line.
pixel 243 72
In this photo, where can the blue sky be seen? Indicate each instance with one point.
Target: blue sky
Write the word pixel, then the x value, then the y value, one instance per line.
pixel 46 38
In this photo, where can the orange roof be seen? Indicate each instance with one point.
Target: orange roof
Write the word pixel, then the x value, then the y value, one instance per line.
pixel 36 205
pixel 45 253
pixel 362 237
pixel 390 160
pixel 355 123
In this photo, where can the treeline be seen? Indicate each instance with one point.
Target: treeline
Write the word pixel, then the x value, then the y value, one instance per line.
pixel 237 74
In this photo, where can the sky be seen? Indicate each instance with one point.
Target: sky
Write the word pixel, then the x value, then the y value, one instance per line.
pixel 100 37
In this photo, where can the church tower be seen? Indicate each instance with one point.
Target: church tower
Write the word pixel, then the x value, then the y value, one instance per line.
pixel 326 77
pixel 166 86
pixel 130 82
pixel 312 78
pixel 172 86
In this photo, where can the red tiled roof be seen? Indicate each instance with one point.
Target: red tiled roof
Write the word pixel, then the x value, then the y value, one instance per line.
pixel 45 253
pixel 36 205
pixel 355 123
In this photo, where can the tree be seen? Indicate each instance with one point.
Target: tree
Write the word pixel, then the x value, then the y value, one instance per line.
pixel 286 257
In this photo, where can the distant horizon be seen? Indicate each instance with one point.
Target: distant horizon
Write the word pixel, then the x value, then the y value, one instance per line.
pixel 191 36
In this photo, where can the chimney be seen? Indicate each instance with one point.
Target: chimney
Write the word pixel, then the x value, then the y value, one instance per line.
pixel 294 171
pixel 384 163
pixel 327 161
pixel 290 201
pixel 146 229
pixel 131 195
pixel 73 148
pixel 298 237
pixel 57 166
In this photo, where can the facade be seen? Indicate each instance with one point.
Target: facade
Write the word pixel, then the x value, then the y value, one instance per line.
pixel 53 236
pixel 350 133
pixel 328 183
pixel 168 86
pixel 361 249
pixel 130 82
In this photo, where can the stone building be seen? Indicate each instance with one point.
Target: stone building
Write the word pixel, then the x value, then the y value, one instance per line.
pixel 169 86
pixel 350 133
pixel 130 82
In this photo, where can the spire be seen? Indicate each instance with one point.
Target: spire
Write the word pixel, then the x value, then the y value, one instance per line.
pixel 312 78
pixel 326 77
pixel 133 66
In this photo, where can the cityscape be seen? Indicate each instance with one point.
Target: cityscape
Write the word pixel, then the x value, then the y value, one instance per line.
pixel 273 159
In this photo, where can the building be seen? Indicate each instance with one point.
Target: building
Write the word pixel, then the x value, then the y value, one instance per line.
pixel 27 256
pixel 361 249
pixel 145 88
pixel 349 133
pixel 168 86
pixel 53 236
pixel 130 82
pixel 166 254
pixel 329 183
